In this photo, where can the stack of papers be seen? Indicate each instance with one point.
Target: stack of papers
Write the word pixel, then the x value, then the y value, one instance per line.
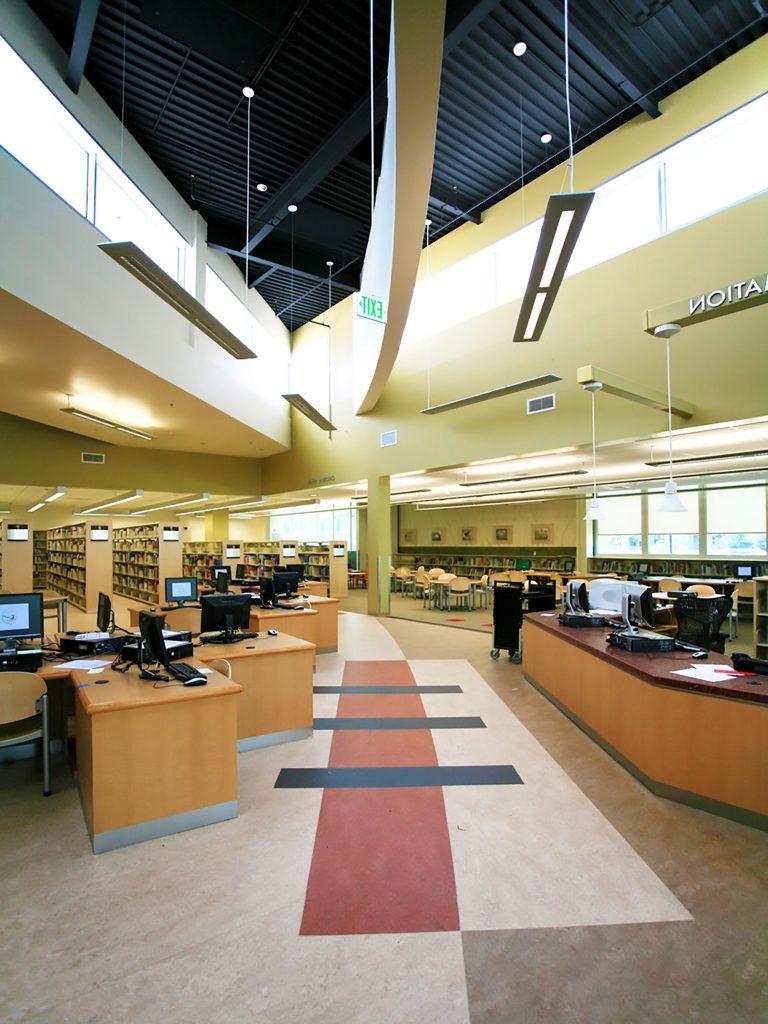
pixel 706 673
pixel 86 663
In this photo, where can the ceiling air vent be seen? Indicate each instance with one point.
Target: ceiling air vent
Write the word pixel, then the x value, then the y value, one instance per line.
pixel 542 404
pixel 95 458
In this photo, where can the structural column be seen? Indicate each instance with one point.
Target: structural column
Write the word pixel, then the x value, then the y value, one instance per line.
pixel 217 525
pixel 379 545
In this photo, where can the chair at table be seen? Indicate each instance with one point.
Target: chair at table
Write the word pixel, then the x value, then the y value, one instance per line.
pixel 669 585
pixel 699 620
pixel 438 587
pixel 420 582
pixel 744 591
pixel 458 593
pixel 435 572
pixel 702 589
pixel 402 574
pixel 483 590
pixel 222 666
pixel 24 715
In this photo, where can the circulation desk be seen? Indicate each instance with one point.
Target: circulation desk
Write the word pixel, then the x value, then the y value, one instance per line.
pixel 275 673
pixel 152 762
pixel 703 744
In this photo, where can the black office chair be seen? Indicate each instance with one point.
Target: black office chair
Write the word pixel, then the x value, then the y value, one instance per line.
pixel 699 620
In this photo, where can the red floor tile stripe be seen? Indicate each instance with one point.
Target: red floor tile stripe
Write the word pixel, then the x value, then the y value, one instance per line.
pixel 382 858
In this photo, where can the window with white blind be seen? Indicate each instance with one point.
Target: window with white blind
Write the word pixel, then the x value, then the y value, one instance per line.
pixel 736 521
pixel 619 532
pixel 673 533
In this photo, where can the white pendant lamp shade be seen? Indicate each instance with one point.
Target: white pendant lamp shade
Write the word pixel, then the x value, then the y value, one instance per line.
pixel 594 511
pixel 671 501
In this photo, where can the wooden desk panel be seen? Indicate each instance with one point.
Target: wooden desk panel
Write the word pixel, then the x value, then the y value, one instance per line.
pixel 299 624
pixel 701 748
pixel 327 609
pixel 187 618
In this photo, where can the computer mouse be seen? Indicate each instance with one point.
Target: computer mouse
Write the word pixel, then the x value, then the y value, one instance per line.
pixel 271 632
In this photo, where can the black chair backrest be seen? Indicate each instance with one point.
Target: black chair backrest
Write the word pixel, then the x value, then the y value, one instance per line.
pixel 699 620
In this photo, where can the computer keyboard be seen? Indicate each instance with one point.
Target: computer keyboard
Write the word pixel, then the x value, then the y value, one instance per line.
pixel 186 673
pixel 290 607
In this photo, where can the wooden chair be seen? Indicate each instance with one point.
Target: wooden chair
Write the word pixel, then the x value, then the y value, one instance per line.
pixel 458 592
pixel 702 589
pixel 742 592
pixel 402 574
pixel 420 582
pixel 435 572
pixel 222 666
pixel 483 588
pixel 668 585
pixel 24 715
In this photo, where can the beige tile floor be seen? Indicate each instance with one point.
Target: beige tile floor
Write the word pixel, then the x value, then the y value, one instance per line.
pixel 582 899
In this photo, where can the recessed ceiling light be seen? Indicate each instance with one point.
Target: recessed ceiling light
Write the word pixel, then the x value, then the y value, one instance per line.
pixel 519 49
pixel 427 222
pixel 261 187
pixel 292 208
pixel 546 137
pixel 329 263
pixel 248 92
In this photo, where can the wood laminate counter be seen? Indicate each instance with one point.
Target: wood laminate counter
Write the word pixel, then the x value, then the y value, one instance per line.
pixel 705 744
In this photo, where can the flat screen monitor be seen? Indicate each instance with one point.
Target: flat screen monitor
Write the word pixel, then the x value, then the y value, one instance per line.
pixel 104 614
pixel 266 593
pixel 222 570
pixel 245 572
pixel 179 589
pixel 640 603
pixel 224 614
pixel 285 582
pixel 576 597
pixel 221 582
pixel 744 571
pixel 21 615
pixel 605 596
pixel 151 631
pixel 568 565
pixel 643 567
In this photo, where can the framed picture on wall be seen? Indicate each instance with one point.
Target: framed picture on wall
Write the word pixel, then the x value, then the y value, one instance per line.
pixel 437 536
pixel 410 536
pixel 468 534
pixel 502 534
pixel 542 533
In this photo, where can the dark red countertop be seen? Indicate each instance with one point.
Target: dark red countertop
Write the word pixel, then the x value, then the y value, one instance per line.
pixel 655 668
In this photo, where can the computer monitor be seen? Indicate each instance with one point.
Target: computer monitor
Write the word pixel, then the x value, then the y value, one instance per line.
pixel 21 617
pixel 151 631
pixel 285 582
pixel 744 571
pixel 568 565
pixel 266 592
pixel 605 596
pixel 245 572
pixel 576 600
pixel 222 570
pixel 643 567
pixel 104 614
pixel 225 614
pixel 221 582
pixel 640 604
pixel 179 589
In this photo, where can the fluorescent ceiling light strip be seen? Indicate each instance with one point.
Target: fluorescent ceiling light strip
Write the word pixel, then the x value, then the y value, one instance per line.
pixel 136 262
pixel 119 500
pixel 58 493
pixel 102 422
pixel 485 396
pixel 533 319
pixel 34 508
pixel 522 479
pixel 300 404
pixel 726 457
pixel 556 250
pixel 226 508
pixel 191 500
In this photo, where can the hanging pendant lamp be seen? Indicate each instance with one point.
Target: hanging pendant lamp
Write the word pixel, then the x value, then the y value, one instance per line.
pixel 593 510
pixel 671 501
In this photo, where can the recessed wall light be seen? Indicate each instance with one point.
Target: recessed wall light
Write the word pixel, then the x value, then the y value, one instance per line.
pixel 519 49
pixel 546 137
pixel 292 208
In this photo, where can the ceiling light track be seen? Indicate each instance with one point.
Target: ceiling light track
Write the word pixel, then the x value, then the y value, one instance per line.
pixel 53 496
pixel 725 457
pixel 522 479
pixel 121 499
pixel 101 421
pixel 486 396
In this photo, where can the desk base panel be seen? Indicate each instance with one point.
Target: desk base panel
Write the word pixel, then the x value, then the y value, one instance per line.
pixel 272 739
pixel 103 842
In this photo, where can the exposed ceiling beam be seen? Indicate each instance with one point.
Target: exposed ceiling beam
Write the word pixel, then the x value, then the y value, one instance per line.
pixel 81 43
pixel 305 274
pixel 598 58
pixel 348 133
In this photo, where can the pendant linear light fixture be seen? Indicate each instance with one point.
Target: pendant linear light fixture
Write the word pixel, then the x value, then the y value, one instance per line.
pixel 121 499
pixel 102 422
pixel 670 502
pixel 192 499
pixel 724 457
pixel 485 396
pixel 522 479
pixel 131 258
pixel 54 496
pixel 594 512
pixel 563 220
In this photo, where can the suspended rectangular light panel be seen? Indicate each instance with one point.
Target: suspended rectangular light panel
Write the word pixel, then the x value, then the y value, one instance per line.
pixel 563 221
pixel 486 396
pixel 136 262
pixel 301 405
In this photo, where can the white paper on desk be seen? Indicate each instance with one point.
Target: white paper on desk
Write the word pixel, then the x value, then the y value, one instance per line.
pixel 87 663
pixel 706 673
pixel 548 615
pixel 205 671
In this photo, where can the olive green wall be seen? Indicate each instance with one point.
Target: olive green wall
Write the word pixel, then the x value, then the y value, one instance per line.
pixel 720 366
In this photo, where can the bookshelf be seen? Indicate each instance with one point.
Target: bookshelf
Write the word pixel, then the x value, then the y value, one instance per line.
pixel 200 557
pixel 39 560
pixel 475 562
pixel 761 616
pixel 261 556
pixel 141 560
pixel 696 567
pixel 80 562
pixel 326 563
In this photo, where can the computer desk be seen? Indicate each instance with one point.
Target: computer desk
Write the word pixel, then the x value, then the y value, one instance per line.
pixel 151 762
pixel 327 609
pixel 275 673
pixel 185 618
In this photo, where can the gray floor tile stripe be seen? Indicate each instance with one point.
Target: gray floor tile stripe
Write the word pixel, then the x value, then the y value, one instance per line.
pixel 388 689
pixel 391 778
pixel 454 722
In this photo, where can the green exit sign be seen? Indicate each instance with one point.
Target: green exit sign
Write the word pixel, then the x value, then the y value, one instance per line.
pixel 371 308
